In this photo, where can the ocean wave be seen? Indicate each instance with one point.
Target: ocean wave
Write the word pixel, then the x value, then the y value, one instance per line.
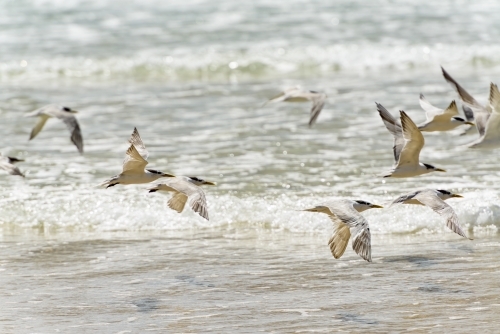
pixel 255 63
pixel 134 209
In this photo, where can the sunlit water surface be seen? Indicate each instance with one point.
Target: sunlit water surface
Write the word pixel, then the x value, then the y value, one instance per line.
pixel 192 77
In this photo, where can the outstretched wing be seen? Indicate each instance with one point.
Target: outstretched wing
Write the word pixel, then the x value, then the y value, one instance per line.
pixel 42 119
pixel 340 237
pixel 318 104
pixel 430 199
pixel 414 141
pixel 74 129
pixel 177 202
pixel 394 128
pixel 133 162
pixel 361 239
pixel 193 194
pixel 135 139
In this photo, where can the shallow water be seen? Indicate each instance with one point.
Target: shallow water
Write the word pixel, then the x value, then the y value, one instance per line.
pixel 192 77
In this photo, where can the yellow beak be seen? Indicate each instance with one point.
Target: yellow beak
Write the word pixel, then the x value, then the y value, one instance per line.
pixel 469 123
pixel 375 206
pixel 210 183
pixel 440 170
pixel 457 195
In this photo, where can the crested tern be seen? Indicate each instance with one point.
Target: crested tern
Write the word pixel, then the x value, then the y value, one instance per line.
pixel 134 165
pixel 7 164
pixel 295 94
pixel 487 117
pixel 408 142
pixel 346 222
pixel 65 114
pixel 185 188
pixel 439 119
pixel 434 198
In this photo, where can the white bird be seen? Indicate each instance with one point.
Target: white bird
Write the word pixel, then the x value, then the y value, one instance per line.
pixel 295 94
pixel 346 222
pixel 186 188
pixel 482 114
pixel 408 142
pixel 434 198
pixel 7 164
pixel 134 165
pixel 439 119
pixel 65 114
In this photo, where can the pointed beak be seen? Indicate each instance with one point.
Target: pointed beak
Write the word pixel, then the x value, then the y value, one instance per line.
pixel 470 123
pixel 440 170
pixel 375 206
pixel 167 175
pixel 457 195
pixel 209 183
pixel 311 210
pixel 74 111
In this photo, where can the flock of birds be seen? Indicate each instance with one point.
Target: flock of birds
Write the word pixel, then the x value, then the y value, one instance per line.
pixel 348 223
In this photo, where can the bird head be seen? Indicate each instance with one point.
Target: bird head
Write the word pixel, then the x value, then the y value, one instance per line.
pixel 199 182
pixel 461 120
pixel 361 206
pixel 432 168
pixel 445 194
pixel 69 110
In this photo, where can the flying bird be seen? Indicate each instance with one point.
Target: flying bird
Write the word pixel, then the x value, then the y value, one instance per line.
pixel 7 164
pixel 65 114
pixel 434 198
pixel 134 165
pixel 346 222
pixel 185 188
pixel 439 119
pixel 295 94
pixel 408 142
pixel 481 113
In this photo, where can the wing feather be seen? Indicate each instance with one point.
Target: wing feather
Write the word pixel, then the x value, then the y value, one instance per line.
pixel 394 128
pixel 133 163
pixel 135 139
pixel 414 141
pixel 318 104
pixel 42 119
pixel 340 237
pixel 177 202
pixel 430 199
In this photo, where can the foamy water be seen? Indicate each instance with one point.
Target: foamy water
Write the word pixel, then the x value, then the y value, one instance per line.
pixel 192 77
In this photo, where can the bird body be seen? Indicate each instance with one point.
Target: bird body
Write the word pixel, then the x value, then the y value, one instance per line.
pixel 185 188
pixel 134 171
pixel 348 222
pixel 65 114
pixel 434 198
pixel 439 119
pixel 408 142
pixel 295 94
pixel 7 164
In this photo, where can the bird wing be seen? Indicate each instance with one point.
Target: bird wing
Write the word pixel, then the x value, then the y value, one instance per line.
pixel 394 128
pixel 469 116
pixel 195 195
pixel 414 141
pixel 10 168
pixel 340 237
pixel 430 199
pixel 39 125
pixel 403 198
pixel 481 113
pixel 133 163
pixel 73 127
pixel 361 240
pixel 344 212
pixel 492 131
pixel 318 102
pixel 135 139
pixel 430 110
pixel 447 114
pixel 177 202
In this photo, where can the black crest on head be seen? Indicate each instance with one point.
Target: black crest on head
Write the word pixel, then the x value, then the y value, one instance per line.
pixel 444 192
pixel 460 119
pixel 363 203
pixel 66 109
pixel 154 171
pixel 429 166
pixel 194 178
